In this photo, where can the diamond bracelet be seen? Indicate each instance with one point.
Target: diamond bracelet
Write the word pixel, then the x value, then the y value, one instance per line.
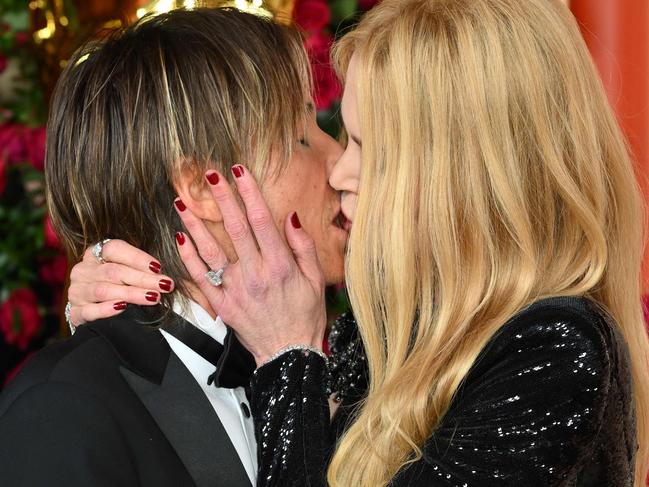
pixel 290 348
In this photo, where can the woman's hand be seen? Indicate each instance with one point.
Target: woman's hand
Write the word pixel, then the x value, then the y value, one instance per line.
pixel 103 290
pixel 273 297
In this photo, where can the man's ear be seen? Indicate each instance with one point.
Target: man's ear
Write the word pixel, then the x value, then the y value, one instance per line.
pixel 191 187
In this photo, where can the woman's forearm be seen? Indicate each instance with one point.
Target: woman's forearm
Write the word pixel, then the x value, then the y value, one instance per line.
pixel 291 411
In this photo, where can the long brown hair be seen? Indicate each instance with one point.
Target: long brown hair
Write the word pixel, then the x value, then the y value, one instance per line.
pixel 203 88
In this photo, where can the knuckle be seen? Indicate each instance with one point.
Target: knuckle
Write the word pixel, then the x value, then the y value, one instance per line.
pixel 246 189
pixel 256 286
pixel 210 254
pixel 87 255
pixel 219 192
pixel 259 218
pixel 76 316
pixel 73 295
pixel 75 273
pixel 111 249
pixel 84 315
pixel 146 282
pixel 101 292
pixel 281 270
pixel 237 230
pixel 108 246
pixel 141 280
pixel 111 272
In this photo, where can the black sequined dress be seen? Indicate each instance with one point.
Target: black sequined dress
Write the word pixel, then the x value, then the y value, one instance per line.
pixel 548 402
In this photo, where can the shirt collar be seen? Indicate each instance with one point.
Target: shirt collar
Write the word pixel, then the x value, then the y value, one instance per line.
pixel 194 313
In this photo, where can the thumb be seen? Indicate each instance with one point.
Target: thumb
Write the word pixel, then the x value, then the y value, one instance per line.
pixel 304 250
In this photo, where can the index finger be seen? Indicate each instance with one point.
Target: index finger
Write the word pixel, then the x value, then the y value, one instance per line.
pixel 258 214
pixel 234 221
pixel 121 252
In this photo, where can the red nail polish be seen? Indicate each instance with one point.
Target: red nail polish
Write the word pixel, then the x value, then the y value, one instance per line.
pixel 165 284
pixel 180 238
pixel 119 306
pixel 180 205
pixel 212 178
pixel 295 221
pixel 151 296
pixel 155 267
pixel 237 171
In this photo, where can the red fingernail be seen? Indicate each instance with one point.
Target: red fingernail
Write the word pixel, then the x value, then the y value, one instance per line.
pixel 295 221
pixel 237 171
pixel 180 205
pixel 180 238
pixel 119 306
pixel 165 284
pixel 151 296
pixel 155 267
pixel 213 178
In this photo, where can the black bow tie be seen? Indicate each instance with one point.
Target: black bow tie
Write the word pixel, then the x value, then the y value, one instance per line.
pixel 234 363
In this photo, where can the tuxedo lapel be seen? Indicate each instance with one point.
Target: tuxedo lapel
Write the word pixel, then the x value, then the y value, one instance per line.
pixel 174 399
pixel 189 422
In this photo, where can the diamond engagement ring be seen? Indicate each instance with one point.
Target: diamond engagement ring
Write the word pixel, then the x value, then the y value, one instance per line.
pixel 215 278
pixel 97 250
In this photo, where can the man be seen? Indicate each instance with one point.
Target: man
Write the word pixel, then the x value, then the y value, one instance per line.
pixel 154 396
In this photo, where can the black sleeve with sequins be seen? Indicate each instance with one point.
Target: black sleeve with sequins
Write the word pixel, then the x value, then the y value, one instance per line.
pixel 548 402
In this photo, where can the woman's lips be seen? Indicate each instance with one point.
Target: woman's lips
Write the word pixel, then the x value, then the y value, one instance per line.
pixel 342 222
pixel 346 224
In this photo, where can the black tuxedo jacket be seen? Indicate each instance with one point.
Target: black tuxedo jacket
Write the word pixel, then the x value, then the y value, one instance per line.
pixel 113 406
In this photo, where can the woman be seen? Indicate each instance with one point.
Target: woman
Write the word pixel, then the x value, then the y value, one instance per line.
pixel 493 267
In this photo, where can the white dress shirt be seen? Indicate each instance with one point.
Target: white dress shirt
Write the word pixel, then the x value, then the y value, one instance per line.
pixel 228 404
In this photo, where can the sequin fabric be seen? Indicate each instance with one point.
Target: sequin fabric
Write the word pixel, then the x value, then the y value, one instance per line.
pixel 547 403
pixel 347 363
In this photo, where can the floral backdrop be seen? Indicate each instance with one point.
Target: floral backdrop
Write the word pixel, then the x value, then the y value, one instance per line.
pixel 33 267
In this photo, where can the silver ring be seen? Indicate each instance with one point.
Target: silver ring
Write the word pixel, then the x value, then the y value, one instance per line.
pixel 98 249
pixel 215 278
pixel 68 317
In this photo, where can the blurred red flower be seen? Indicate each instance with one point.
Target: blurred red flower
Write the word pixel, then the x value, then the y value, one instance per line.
pixel 21 38
pixel 318 45
pixel 23 144
pixel 19 318
pixel 311 15
pixel 51 238
pixel 326 84
pixel 12 142
pixel 3 174
pixel 55 271
pixel 35 147
pixel 3 63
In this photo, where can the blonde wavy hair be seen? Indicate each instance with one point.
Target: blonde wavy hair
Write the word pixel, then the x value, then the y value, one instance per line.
pixel 491 150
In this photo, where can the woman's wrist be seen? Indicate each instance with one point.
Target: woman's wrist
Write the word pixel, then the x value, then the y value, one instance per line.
pixel 303 347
